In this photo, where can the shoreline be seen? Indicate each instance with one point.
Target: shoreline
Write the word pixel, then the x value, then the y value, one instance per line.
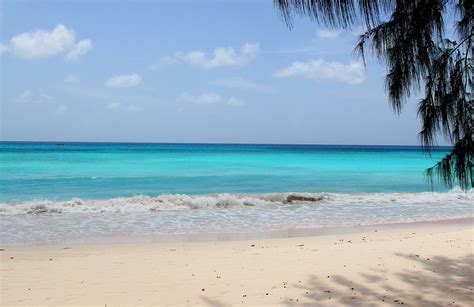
pixel 245 236
pixel 424 264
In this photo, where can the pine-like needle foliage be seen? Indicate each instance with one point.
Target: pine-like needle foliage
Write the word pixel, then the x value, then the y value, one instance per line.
pixel 409 37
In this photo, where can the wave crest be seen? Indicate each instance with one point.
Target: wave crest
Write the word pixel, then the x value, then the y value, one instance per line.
pixel 175 202
pixel 142 203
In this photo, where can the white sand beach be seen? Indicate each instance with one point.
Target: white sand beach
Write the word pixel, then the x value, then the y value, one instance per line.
pixel 414 264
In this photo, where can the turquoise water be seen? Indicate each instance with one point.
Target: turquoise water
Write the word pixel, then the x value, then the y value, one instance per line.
pixel 55 192
pixel 99 171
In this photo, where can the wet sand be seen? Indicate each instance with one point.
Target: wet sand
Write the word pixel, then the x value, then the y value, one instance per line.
pixel 419 265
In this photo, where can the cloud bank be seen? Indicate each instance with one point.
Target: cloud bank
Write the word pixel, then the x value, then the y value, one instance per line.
pixel 224 56
pixel 123 81
pixel 319 69
pixel 40 44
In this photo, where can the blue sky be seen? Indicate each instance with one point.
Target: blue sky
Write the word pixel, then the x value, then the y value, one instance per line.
pixel 176 71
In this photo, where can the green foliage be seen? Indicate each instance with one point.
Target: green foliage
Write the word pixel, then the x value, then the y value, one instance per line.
pixel 408 36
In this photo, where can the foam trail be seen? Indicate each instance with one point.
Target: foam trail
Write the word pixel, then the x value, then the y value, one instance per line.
pixel 176 202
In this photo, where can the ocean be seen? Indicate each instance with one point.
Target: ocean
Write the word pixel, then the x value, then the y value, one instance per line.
pixel 52 192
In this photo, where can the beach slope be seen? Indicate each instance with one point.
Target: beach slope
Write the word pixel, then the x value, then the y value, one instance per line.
pixel 418 266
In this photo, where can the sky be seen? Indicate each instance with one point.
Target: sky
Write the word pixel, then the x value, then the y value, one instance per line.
pixel 182 71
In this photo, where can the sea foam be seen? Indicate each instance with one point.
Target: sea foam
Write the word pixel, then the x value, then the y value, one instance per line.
pixel 176 202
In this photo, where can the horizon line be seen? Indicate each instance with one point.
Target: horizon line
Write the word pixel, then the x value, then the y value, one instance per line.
pixel 224 143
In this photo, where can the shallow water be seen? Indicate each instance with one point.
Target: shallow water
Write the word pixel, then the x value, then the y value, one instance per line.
pixel 52 192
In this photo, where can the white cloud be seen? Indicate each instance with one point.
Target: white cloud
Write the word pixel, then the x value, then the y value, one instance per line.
pixel 79 49
pixel 71 79
pixel 34 97
pixel 224 56
pixel 42 43
pixel 319 69
pixel 240 83
pixel 232 101
pixel 330 34
pixel 123 81
pixel 205 98
pixel 38 44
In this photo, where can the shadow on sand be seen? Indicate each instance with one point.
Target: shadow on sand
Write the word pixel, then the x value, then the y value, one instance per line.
pixel 435 281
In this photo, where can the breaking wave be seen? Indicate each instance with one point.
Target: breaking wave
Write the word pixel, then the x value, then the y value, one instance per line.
pixel 176 202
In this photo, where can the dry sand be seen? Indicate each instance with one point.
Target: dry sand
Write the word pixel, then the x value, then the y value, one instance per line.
pixel 429 265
